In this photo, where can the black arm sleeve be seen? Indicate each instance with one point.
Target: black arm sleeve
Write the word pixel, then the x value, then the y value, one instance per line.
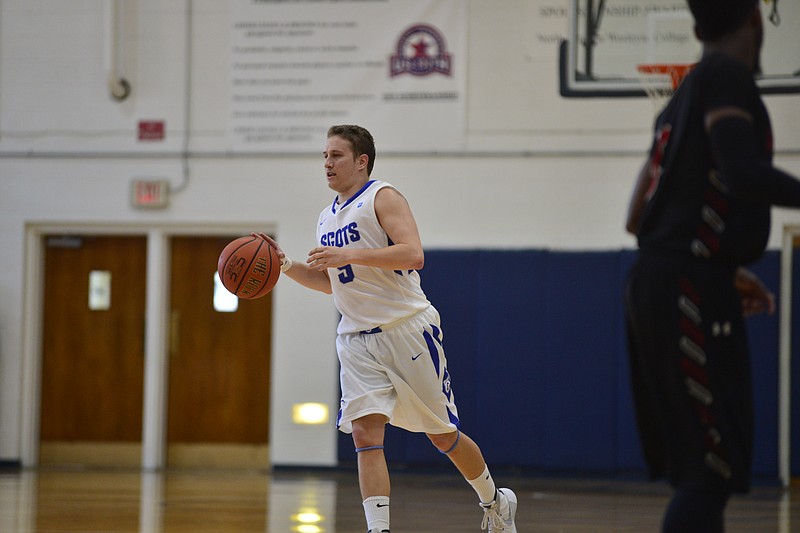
pixel 747 176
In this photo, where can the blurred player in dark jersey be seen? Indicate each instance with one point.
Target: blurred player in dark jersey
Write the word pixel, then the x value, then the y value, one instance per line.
pixel 701 210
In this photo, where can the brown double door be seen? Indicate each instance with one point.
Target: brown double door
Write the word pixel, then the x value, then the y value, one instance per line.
pixel 219 365
pixel 93 352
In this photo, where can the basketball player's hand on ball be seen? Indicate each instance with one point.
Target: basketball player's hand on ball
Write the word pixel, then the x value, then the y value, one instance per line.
pixel 756 298
pixel 271 242
pixel 323 257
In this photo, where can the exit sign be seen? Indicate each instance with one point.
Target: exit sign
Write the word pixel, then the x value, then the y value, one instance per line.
pixel 150 193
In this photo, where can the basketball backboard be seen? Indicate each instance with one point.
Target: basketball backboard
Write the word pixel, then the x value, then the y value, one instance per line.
pixel 608 39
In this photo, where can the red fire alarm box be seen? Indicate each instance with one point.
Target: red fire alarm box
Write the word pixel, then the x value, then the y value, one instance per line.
pixel 151 130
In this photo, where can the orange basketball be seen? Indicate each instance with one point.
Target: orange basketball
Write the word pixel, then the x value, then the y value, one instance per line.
pixel 249 267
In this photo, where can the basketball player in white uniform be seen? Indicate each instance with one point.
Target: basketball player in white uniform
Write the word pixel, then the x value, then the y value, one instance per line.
pixel 393 366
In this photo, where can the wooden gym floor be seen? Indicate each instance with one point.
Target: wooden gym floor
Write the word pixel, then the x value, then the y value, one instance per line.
pixel 52 500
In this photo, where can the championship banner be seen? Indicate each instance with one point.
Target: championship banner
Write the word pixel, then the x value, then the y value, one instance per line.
pixel 396 67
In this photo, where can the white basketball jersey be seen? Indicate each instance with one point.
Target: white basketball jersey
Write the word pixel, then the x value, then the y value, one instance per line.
pixel 366 297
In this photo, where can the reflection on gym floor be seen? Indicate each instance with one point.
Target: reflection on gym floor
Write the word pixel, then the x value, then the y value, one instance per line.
pixel 226 501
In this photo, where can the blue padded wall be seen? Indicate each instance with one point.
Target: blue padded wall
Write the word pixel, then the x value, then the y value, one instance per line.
pixel 763 336
pixel 535 342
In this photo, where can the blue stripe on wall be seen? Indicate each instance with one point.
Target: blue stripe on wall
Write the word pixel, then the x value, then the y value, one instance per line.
pixel 535 343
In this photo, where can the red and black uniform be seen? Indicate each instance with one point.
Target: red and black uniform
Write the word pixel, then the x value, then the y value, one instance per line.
pixel 708 212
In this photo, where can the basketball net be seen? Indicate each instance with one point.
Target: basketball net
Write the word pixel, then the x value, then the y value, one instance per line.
pixel 659 80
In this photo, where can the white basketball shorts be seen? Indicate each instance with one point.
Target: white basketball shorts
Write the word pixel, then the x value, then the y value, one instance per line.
pixel 399 371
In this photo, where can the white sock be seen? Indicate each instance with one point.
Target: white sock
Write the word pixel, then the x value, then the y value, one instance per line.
pixel 484 486
pixel 376 509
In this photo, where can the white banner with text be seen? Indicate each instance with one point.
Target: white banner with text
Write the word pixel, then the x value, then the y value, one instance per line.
pixel 396 67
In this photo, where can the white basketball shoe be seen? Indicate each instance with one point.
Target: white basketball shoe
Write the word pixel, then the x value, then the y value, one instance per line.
pixel 498 516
